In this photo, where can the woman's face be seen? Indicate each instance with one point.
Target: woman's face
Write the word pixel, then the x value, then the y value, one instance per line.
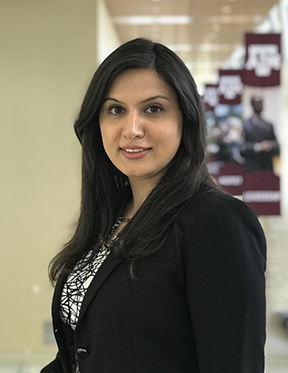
pixel 141 124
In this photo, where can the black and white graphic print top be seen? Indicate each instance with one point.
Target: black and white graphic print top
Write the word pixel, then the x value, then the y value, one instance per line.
pixel 80 278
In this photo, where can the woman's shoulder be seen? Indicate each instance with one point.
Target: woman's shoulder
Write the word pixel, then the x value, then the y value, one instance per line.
pixel 213 197
pixel 215 221
pixel 212 204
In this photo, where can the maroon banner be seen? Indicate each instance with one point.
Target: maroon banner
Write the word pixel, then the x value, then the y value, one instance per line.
pixel 262 192
pixel 230 87
pixel 210 97
pixel 231 177
pixel 223 152
pixel 263 60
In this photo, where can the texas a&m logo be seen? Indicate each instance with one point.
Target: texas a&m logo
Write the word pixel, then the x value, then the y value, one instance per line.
pixel 230 86
pixel 263 58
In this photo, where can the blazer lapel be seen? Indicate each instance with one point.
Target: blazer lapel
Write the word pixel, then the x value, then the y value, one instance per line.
pixel 57 298
pixel 107 267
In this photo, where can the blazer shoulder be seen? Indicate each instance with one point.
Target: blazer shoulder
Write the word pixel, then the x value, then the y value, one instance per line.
pixel 218 225
pixel 212 200
pixel 212 207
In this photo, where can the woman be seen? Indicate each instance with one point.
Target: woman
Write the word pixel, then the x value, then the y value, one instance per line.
pixel 165 273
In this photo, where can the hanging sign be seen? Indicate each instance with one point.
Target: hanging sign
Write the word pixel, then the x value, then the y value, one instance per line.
pixel 210 97
pixel 263 60
pixel 230 87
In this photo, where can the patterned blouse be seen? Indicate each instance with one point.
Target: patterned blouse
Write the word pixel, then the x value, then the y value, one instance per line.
pixel 80 278
pixel 77 284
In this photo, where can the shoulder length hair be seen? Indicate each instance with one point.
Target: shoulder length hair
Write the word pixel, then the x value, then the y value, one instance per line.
pixel 106 191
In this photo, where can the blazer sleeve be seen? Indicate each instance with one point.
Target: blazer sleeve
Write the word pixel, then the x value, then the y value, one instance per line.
pixel 225 276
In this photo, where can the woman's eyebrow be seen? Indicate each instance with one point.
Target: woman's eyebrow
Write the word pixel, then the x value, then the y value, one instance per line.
pixel 145 100
pixel 111 99
pixel 155 97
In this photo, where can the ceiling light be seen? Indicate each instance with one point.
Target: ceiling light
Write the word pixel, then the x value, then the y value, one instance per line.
pixel 150 20
pixel 226 9
pixel 239 18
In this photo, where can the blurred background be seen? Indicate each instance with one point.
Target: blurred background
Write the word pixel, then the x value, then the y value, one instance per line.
pixel 49 51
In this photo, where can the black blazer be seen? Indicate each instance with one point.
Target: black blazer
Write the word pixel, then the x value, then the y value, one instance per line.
pixel 252 135
pixel 197 306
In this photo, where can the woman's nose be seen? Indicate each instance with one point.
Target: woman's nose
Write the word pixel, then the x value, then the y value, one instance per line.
pixel 133 126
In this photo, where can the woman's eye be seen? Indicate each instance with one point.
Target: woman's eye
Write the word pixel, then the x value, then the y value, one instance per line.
pixel 154 109
pixel 116 110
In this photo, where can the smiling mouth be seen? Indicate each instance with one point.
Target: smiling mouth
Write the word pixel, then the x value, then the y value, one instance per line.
pixel 134 150
pixel 135 153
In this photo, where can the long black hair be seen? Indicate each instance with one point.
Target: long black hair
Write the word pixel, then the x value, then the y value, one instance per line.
pixel 106 191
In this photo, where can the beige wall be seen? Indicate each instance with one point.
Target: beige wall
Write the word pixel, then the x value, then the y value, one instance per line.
pixel 48 55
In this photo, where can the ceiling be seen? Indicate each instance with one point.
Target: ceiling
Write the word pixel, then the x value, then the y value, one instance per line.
pixel 203 33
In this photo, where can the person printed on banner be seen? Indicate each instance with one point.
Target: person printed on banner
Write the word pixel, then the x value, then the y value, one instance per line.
pixel 260 142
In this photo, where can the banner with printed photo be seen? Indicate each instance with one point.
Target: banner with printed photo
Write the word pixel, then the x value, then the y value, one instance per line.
pixel 243 150
pixel 224 159
pixel 261 148
pixel 261 151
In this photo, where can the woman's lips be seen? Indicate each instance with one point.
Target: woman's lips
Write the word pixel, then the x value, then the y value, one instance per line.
pixel 134 153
